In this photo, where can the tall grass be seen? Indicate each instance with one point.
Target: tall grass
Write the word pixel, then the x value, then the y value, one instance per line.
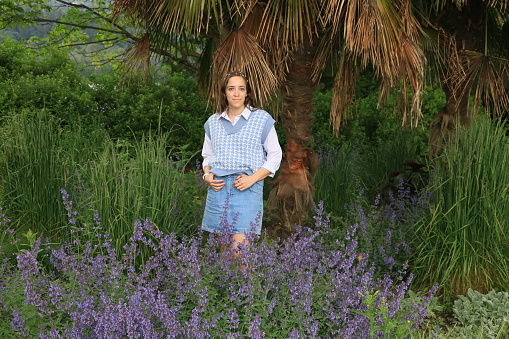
pixel 57 177
pixel 37 157
pixel 125 183
pixel 336 182
pixel 386 158
pixel 465 240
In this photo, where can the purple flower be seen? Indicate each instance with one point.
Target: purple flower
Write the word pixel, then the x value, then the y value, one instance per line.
pixel 18 324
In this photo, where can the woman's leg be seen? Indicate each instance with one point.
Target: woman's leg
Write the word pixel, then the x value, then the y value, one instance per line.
pixel 238 239
pixel 237 254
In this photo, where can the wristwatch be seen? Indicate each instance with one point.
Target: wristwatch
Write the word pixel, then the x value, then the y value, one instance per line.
pixel 205 175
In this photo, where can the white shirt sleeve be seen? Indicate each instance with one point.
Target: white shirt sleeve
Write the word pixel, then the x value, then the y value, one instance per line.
pixel 207 151
pixel 274 152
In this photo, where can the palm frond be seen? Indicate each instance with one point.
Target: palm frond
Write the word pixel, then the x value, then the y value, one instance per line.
pixel 174 16
pixel 344 91
pixel 292 21
pixel 241 52
pixel 386 35
pixel 327 52
pixel 138 58
pixel 488 76
pixel 277 56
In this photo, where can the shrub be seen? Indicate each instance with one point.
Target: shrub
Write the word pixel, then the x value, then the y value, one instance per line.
pixel 373 168
pixel 128 111
pixel 306 287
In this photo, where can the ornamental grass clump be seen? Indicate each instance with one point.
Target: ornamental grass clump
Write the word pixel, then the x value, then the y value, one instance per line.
pixel 468 214
pixel 189 288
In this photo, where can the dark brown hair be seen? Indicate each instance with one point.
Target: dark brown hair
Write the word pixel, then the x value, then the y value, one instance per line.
pixel 223 102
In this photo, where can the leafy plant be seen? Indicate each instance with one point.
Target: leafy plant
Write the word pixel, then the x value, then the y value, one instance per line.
pixel 487 312
pixel 306 287
pixel 115 180
pixel 38 158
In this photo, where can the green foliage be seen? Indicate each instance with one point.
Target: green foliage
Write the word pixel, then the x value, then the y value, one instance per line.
pixel 38 158
pixel 372 168
pixel 86 28
pixel 381 166
pixel 337 182
pixel 49 80
pixel 122 181
pixel 128 111
pixel 487 312
pixel 381 319
pixel 125 182
pixel 468 213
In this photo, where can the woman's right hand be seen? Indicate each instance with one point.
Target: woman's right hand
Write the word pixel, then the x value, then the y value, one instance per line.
pixel 216 185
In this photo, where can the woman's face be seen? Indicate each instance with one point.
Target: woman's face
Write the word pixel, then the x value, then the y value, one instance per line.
pixel 236 92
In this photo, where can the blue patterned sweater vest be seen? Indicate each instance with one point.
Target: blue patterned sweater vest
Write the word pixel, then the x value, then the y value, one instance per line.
pixel 239 150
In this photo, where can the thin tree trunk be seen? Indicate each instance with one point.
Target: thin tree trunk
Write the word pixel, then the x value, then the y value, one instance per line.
pixel 291 197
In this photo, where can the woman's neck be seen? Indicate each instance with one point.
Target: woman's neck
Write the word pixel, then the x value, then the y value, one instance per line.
pixel 233 112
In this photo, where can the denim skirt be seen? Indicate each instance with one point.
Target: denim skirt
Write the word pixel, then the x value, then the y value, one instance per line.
pixel 233 211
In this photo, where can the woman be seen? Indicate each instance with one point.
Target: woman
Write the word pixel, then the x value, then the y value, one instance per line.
pixel 241 149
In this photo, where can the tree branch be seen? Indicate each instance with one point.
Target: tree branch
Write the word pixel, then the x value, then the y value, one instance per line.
pixel 77 25
pixel 88 43
pixel 97 14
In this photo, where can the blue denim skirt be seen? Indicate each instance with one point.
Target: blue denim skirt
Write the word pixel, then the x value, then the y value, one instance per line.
pixel 233 211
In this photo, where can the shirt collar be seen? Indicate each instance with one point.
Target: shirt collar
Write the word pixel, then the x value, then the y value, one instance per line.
pixel 245 113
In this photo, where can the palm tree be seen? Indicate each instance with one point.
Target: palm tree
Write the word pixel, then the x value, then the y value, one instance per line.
pixel 284 46
pixel 468 43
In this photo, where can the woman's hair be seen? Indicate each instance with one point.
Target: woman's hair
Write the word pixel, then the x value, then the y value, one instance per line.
pixel 223 101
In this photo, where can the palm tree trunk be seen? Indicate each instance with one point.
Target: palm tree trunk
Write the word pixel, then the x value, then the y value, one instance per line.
pixel 291 196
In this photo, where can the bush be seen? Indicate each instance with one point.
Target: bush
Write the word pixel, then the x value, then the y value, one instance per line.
pixel 49 80
pixel 129 111
pixel 36 80
pixel 304 288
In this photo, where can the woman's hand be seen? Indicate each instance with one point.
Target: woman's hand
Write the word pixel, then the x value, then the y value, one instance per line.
pixel 216 185
pixel 244 181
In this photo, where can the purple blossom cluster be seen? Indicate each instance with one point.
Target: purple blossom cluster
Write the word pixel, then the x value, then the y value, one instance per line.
pixel 71 212
pixel 385 227
pixel 306 287
pixel 4 222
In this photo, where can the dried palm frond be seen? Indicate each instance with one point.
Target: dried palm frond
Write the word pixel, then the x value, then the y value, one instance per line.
pixel 277 56
pixel 327 52
pixel 488 77
pixel 385 35
pixel 291 21
pixel 344 91
pixel 174 16
pixel 240 52
pixel 138 58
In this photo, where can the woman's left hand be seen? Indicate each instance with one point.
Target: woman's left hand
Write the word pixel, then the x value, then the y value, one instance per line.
pixel 244 181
